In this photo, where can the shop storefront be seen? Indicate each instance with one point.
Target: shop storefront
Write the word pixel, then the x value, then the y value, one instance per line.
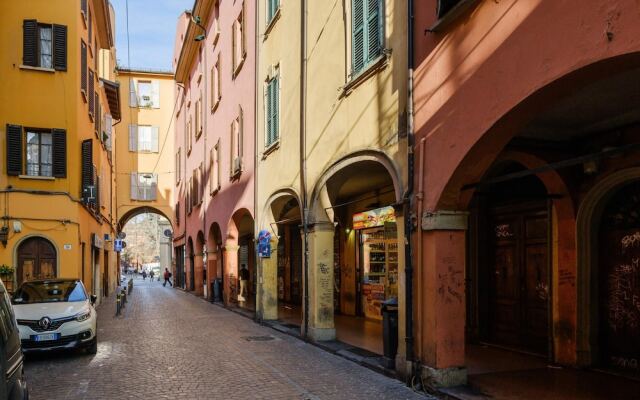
pixel 377 260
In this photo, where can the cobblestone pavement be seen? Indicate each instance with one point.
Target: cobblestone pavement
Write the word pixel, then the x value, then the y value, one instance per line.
pixel 172 345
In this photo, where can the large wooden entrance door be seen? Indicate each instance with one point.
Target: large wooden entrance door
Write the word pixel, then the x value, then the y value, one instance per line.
pixel 619 281
pixel 36 260
pixel 519 282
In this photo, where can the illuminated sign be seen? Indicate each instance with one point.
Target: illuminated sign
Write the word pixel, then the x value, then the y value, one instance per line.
pixel 373 218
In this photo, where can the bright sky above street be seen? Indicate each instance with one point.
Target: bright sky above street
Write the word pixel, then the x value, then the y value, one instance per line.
pixel 152 27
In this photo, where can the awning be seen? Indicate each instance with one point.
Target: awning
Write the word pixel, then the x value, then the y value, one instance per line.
pixel 113 97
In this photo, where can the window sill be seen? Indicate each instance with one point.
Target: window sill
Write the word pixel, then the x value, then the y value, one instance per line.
pixel 40 69
pixel 272 147
pixel 271 23
pixel 373 68
pixel 215 105
pixel 84 95
pixel 37 178
pixel 198 135
pixel 214 192
pixel 235 175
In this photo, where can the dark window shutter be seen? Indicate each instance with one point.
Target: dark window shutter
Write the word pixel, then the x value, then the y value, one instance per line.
pixel 97 116
pixel 83 67
pixel 90 94
pixel 59 140
pixel 90 27
pixel 60 47
pixel 97 192
pixel 14 150
pixel 84 7
pixel 444 6
pixel 30 42
pixel 87 165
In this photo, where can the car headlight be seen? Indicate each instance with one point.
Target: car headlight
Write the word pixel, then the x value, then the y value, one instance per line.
pixel 83 316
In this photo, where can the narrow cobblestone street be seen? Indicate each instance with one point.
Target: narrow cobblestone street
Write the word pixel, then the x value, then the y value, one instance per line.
pixel 170 344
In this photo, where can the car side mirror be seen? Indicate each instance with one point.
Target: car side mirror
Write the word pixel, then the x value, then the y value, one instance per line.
pixel 94 298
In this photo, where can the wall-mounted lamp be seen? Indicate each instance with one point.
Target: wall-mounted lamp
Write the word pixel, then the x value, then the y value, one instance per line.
pixel 590 167
pixel 199 38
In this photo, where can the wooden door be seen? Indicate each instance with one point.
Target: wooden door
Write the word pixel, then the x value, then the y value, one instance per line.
pixel 619 282
pixel 519 286
pixel 36 260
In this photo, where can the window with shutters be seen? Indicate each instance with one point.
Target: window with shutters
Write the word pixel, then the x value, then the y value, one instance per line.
pixel 178 170
pixel 177 213
pixel 216 84
pixel 273 6
pixel 143 138
pixel 236 145
pixel 83 70
pixel 88 172
pixel 98 118
pixel 84 8
pixel 200 183
pixel 367 20
pixel 91 98
pixel 239 42
pixel 143 186
pixel 198 110
pixel 147 94
pixel 272 105
pixel 90 33
pixel 214 169
pixel 108 128
pixel 189 134
pixel 44 45
pixel 45 152
pixel 188 199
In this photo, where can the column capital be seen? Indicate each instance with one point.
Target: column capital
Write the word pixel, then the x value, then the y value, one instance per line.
pixel 445 220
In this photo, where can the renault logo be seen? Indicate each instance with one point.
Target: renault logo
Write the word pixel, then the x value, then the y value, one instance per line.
pixel 44 323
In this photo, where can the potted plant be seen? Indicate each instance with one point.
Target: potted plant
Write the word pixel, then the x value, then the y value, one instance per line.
pixel 6 275
pixel 6 270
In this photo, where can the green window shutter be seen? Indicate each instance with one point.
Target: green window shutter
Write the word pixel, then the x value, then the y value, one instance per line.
pixel 374 29
pixel 30 42
pixel 59 148
pixel 60 47
pixel 276 111
pixel 14 150
pixel 357 36
pixel 268 113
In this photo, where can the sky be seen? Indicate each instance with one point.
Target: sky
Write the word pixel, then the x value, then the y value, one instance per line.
pixel 152 28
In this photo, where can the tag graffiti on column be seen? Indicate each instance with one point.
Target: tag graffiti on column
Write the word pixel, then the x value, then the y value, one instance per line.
pixel 325 286
pixel 451 283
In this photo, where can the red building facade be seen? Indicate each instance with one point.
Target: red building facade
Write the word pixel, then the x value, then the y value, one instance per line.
pixel 527 182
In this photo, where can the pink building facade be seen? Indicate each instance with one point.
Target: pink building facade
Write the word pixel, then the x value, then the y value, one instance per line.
pixel 527 126
pixel 214 129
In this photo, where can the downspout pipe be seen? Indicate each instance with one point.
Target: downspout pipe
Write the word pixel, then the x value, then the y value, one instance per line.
pixel 303 159
pixel 408 200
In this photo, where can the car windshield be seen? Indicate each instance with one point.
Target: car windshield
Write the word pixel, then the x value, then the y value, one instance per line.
pixel 49 292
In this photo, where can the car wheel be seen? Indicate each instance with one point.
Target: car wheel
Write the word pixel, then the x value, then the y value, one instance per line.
pixel 93 348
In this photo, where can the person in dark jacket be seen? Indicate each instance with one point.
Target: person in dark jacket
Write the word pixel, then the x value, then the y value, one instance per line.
pixel 167 277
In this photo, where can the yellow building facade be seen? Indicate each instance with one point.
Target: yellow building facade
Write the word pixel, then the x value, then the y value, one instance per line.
pixel 332 88
pixel 57 110
pixel 144 155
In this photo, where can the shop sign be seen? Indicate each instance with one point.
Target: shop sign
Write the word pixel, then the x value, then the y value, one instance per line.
pixel 117 245
pixel 373 218
pixel 97 241
pixel 66 247
pixel 264 244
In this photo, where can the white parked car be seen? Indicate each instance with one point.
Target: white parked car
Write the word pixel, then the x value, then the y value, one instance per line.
pixel 56 314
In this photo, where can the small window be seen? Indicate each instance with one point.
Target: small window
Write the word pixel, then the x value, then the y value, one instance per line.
pixel 236 145
pixel 178 164
pixel 148 94
pixel 198 118
pixel 272 8
pixel 239 45
pixel 214 170
pixel 44 45
pixel 272 99
pixel 39 154
pixel 143 138
pixel 143 186
pixel 216 84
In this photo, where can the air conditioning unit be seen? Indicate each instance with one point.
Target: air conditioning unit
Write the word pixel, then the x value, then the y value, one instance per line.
pixel 237 165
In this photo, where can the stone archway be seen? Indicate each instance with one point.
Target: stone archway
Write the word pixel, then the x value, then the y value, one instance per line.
pixel 587 228
pixel 215 260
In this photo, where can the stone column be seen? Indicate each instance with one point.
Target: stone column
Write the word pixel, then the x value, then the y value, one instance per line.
pixel 320 282
pixel 267 296
pixel 198 266
pixel 443 298
pixel 402 368
pixel 212 270
pixel 230 272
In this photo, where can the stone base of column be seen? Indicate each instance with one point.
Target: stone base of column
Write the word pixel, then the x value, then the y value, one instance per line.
pixel 322 334
pixel 403 367
pixel 444 377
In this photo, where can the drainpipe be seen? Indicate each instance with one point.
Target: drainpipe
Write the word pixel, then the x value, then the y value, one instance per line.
pixel 408 197
pixel 256 228
pixel 303 158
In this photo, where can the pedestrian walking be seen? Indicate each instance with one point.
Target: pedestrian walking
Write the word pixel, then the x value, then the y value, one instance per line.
pixel 151 275
pixel 244 279
pixel 144 274
pixel 167 277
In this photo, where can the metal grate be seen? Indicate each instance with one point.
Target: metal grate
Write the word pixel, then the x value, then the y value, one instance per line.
pixel 258 338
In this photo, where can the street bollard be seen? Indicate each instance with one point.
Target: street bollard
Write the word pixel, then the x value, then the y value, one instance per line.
pixel 118 304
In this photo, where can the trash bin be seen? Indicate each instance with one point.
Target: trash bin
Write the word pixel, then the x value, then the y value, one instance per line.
pixel 390 331
pixel 216 290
